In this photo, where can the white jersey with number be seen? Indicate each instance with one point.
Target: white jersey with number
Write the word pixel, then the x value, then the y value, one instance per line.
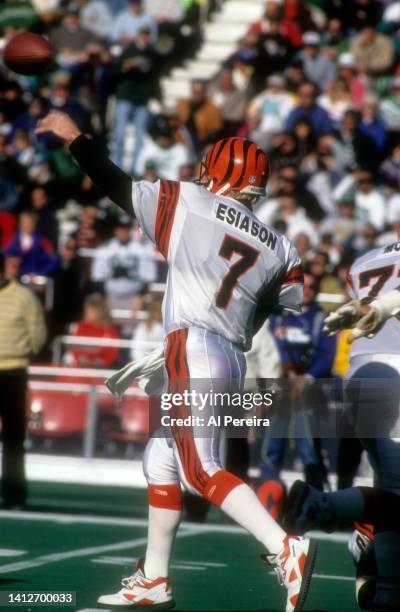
pixel 371 275
pixel 223 262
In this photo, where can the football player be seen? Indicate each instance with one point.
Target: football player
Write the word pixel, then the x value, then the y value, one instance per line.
pixel 227 270
pixel 372 391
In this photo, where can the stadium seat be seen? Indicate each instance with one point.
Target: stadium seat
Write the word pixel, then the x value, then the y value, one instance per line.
pixel 134 421
pixel 56 414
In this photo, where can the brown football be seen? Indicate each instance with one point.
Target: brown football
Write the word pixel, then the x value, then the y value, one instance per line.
pixel 27 53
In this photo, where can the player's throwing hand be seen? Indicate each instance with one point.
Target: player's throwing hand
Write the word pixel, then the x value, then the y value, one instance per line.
pixel 60 125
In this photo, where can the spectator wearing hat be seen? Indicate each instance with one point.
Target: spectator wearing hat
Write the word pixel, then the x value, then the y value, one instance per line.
pixel 318 68
pixel 243 63
pixel 129 22
pixel 269 110
pixel 343 222
pixel 373 52
pixel 123 266
pixel 22 335
pixel 181 133
pixel 162 151
pixel 133 75
pixel 347 70
pixel 309 109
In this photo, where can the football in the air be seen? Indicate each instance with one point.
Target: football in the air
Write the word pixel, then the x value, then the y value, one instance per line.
pixel 27 53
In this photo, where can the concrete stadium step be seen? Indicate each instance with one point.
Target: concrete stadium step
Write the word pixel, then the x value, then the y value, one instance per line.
pixel 222 32
pixel 239 12
pixel 174 89
pixel 216 52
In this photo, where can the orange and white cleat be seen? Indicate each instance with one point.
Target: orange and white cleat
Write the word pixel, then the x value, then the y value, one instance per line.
pixel 294 567
pixel 141 592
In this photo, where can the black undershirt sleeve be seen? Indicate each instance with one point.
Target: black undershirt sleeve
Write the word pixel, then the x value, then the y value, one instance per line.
pixel 116 184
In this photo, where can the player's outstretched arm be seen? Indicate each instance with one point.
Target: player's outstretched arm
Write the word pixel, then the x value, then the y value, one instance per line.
pixel 364 318
pixel 116 184
pixel 379 311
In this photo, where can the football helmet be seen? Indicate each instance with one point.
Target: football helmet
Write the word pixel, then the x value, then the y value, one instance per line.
pixel 235 164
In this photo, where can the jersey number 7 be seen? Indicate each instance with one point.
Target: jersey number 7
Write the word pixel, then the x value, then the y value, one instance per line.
pixel 381 275
pixel 247 258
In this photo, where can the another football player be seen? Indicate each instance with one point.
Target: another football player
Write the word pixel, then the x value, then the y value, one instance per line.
pixel 372 394
pixel 227 270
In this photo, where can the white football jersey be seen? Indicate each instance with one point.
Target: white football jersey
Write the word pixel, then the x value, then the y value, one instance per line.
pixel 223 262
pixel 371 275
pixel 124 268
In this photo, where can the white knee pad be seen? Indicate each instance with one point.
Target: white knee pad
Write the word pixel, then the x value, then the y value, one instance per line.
pixel 159 464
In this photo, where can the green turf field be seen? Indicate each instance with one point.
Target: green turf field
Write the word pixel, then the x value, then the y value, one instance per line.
pixel 84 539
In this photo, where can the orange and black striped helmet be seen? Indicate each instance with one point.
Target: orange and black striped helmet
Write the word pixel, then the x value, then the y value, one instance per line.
pixel 235 164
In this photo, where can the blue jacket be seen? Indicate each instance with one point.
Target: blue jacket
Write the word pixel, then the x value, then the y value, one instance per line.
pixel 303 345
pixel 317 116
pixel 376 131
pixel 39 259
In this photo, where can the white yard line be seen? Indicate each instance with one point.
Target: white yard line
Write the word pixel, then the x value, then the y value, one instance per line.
pixel 73 519
pixel 191 568
pixel 79 552
pixel 178 564
pixel 328 577
pixel 333 577
pixel 205 563
pixel 12 552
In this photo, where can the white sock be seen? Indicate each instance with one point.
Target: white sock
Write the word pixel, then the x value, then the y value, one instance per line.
pixel 163 525
pixel 244 507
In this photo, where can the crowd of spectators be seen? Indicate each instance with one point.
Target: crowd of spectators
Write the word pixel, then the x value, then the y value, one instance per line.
pixel 316 83
pixel 56 229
